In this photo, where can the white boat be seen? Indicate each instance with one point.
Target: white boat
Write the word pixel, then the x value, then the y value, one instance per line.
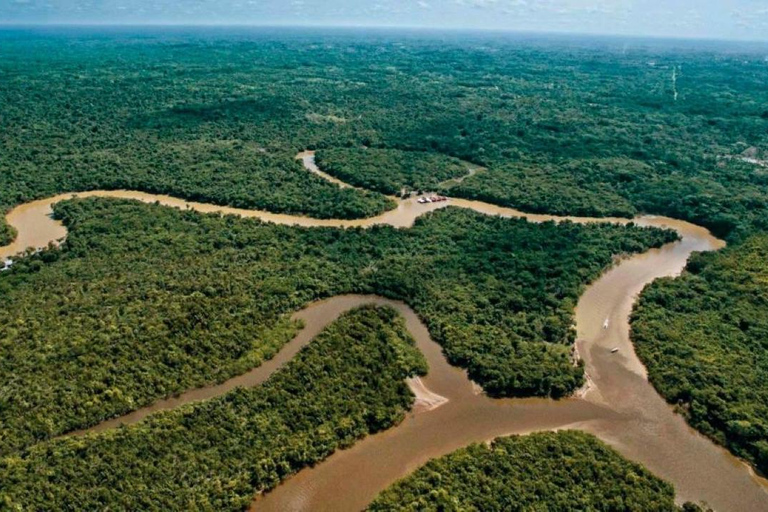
pixel 613 351
pixel 605 324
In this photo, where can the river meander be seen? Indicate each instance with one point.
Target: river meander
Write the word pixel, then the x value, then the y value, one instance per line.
pixel 618 405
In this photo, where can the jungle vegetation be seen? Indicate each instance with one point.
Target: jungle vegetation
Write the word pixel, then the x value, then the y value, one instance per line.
pixel 144 301
pixel 588 126
pixel 390 171
pixel 217 454
pixel 578 126
pixel 554 471
pixel 704 339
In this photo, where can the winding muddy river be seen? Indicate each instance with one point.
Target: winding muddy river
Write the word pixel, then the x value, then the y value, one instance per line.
pixel 618 405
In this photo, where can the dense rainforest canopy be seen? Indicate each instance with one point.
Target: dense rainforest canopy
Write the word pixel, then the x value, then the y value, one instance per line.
pixel 704 339
pixel 553 471
pixel 565 126
pixel 144 301
pixel 570 126
pixel 391 171
pixel 216 455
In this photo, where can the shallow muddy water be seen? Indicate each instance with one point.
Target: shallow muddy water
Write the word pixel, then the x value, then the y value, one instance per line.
pixel 619 405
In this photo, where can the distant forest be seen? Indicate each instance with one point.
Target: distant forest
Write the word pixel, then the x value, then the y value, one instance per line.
pixel 573 127
pixel 566 126
pixel 391 171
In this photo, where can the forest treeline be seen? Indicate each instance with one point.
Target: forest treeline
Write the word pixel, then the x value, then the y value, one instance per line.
pixel 554 471
pixel 221 172
pixel 704 340
pixel 144 301
pixel 390 171
pixel 217 454
pixel 730 197
pixel 585 127
pixel 578 127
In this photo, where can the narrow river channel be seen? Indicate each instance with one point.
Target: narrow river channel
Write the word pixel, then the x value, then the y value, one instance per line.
pixel 618 405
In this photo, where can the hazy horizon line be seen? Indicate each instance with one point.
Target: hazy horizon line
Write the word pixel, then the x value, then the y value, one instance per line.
pixel 384 27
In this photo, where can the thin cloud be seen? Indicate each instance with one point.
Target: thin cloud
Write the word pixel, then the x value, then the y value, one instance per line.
pixel 746 19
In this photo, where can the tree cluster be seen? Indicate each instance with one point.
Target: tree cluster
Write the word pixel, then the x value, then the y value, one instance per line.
pixel 390 171
pixel 144 301
pixel 704 340
pixel 555 471
pixel 216 455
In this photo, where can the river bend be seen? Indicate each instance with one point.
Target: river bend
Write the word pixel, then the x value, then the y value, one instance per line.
pixel 618 404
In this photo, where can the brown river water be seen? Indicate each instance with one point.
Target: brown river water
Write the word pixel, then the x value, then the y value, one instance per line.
pixel 618 405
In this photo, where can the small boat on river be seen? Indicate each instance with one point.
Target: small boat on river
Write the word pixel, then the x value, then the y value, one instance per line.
pixel 431 199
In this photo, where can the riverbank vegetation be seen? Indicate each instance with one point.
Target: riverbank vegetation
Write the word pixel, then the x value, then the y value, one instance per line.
pixel 554 471
pixel 219 172
pixel 144 301
pixel 7 233
pixel 215 455
pixel 704 340
pixel 576 126
pixel 579 126
pixel 730 197
pixel 390 171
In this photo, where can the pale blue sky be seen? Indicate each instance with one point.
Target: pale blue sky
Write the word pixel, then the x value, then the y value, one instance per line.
pixel 720 19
